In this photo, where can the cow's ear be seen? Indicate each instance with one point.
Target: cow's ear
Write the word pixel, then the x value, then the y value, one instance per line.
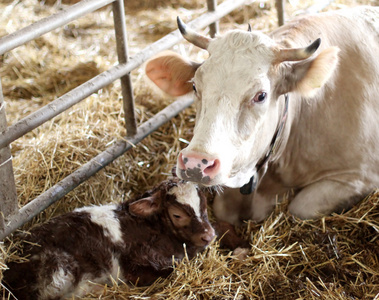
pixel 305 77
pixel 145 207
pixel 171 73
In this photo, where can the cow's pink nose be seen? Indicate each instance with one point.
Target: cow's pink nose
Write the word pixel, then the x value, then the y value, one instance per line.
pixel 196 167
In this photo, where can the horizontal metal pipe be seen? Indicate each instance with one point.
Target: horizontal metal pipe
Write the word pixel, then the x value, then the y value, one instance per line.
pixel 58 106
pixel 50 23
pixel 86 89
pixel 66 185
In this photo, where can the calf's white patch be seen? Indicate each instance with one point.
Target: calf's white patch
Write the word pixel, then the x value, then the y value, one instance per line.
pixel 186 193
pixel 105 216
pixel 60 284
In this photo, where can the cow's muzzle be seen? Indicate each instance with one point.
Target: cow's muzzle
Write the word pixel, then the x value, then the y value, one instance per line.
pixel 197 167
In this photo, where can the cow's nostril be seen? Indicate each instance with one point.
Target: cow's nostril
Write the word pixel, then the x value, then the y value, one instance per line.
pixel 213 168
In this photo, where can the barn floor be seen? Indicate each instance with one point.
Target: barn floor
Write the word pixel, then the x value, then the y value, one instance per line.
pixel 336 257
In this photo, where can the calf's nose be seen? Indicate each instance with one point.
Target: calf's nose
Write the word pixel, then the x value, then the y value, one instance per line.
pixel 208 236
pixel 197 167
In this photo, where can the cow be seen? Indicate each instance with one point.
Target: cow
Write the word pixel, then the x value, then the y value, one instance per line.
pixel 134 241
pixel 291 112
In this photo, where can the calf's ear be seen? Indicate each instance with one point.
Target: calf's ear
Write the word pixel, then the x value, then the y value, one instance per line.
pixel 171 73
pixel 144 207
pixel 305 77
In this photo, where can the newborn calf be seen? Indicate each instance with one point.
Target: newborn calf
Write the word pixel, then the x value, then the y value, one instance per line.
pixel 133 241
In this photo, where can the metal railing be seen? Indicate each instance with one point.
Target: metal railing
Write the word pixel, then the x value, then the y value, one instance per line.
pixel 11 217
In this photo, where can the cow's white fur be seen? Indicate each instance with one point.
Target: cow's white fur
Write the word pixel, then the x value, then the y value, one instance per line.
pixel 186 193
pixel 226 83
pixel 104 216
pixel 328 151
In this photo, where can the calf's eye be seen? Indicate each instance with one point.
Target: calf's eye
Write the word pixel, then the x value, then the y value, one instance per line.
pixel 177 216
pixel 260 97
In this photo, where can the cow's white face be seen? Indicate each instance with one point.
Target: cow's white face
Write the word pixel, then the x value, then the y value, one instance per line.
pixel 237 92
pixel 235 114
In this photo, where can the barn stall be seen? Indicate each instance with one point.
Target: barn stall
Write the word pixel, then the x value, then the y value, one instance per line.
pixel 336 257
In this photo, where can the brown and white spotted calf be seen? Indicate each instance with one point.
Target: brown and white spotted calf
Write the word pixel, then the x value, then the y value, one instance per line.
pixel 132 241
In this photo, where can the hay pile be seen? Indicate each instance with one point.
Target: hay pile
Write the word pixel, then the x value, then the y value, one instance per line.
pixel 336 257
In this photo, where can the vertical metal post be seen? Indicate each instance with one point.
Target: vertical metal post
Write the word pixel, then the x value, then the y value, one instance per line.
pixel 8 195
pixel 280 10
pixel 213 28
pixel 122 52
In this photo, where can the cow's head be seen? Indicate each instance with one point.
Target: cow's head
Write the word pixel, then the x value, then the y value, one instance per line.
pixel 237 95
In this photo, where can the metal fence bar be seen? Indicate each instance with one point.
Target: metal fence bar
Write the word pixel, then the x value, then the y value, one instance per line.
pixel 213 28
pixel 280 11
pixel 66 185
pixel 126 83
pixel 79 93
pixel 59 105
pixel 50 23
pixel 8 195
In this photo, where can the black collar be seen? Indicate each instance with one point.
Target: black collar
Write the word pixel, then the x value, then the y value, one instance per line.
pixel 249 187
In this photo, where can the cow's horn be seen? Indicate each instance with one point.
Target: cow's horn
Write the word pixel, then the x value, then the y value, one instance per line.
pixel 193 37
pixel 295 54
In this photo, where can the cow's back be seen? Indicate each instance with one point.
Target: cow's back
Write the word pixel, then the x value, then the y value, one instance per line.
pixel 355 31
pixel 339 26
pixel 337 128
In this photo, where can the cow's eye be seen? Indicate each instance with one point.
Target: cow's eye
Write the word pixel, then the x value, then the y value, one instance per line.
pixel 260 97
pixel 194 87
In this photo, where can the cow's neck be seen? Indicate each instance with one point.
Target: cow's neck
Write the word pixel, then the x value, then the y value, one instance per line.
pixel 261 167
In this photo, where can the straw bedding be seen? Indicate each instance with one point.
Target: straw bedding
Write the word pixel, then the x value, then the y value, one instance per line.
pixel 336 257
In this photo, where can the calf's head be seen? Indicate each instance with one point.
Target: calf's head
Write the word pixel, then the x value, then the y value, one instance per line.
pixel 238 92
pixel 182 208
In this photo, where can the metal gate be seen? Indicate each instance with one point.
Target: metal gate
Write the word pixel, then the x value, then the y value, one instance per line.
pixel 11 217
